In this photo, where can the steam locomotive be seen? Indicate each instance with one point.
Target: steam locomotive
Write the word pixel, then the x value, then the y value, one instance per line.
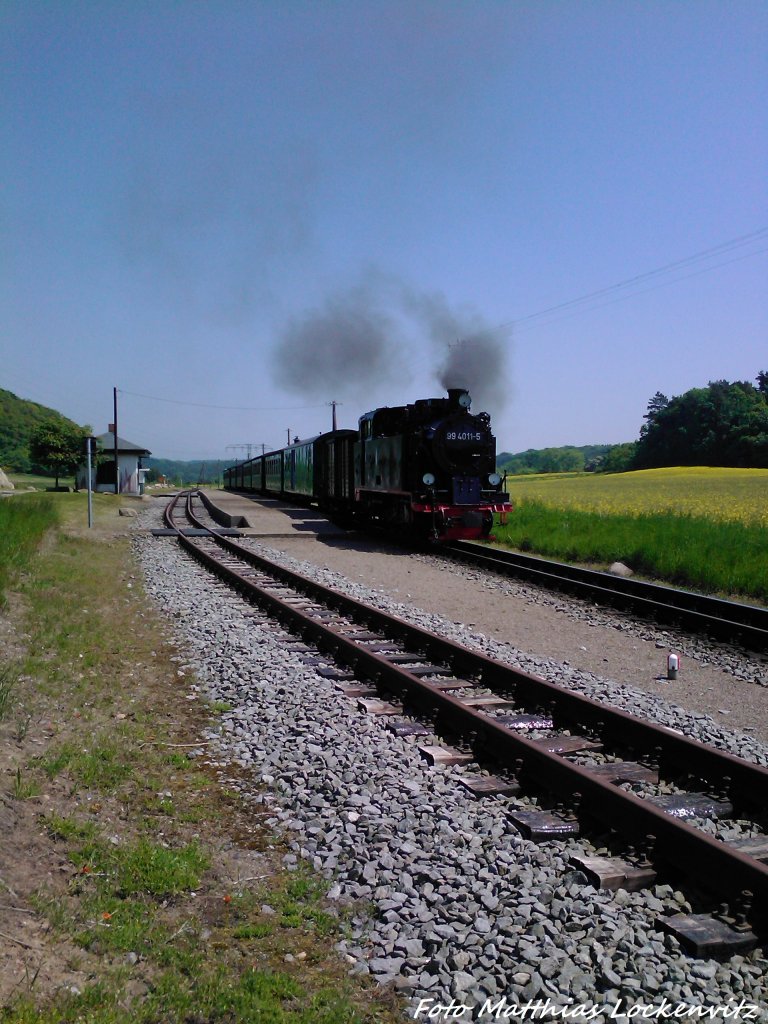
pixel 428 469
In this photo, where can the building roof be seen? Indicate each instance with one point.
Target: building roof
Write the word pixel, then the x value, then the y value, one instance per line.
pixel 107 442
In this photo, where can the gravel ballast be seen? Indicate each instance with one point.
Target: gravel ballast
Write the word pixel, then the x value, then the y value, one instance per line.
pixel 463 909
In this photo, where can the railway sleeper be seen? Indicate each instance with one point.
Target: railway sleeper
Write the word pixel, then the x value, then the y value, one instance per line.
pixel 527 723
pixel 490 785
pixel 407 728
pixel 709 935
pixel 437 755
pixel 375 706
pixel 544 826
pixel 692 805
pixel 625 771
pixel 615 872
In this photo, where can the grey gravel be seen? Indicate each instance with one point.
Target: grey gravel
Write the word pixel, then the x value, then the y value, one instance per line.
pixel 463 908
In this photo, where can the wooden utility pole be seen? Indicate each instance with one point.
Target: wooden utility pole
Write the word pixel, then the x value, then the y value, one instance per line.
pixel 117 470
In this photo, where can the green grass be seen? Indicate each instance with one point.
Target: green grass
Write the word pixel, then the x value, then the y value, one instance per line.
pixel 686 550
pixel 8 684
pixel 122 891
pixel 21 481
pixel 24 786
pixel 147 912
pixel 260 995
pixel 23 521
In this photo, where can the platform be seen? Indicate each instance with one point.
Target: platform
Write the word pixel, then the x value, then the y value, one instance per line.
pixel 257 516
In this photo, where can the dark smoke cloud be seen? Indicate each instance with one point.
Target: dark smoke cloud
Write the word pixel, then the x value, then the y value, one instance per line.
pixel 357 343
pixel 470 353
pixel 348 347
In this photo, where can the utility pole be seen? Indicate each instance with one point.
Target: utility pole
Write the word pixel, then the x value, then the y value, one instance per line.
pixel 88 449
pixel 288 433
pixel 117 471
pixel 333 406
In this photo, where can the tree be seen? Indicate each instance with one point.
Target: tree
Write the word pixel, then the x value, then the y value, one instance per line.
pixel 656 406
pixel 16 460
pixel 724 424
pixel 620 459
pixel 58 447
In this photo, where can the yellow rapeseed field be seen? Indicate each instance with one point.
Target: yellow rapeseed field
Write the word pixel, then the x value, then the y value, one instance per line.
pixel 722 494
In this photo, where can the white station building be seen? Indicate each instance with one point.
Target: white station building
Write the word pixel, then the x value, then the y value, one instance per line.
pixel 129 467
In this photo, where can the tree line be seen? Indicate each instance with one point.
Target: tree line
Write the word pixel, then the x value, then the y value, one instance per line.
pixel 723 424
pixel 567 459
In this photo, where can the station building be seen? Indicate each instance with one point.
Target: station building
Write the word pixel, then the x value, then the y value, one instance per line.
pixel 129 467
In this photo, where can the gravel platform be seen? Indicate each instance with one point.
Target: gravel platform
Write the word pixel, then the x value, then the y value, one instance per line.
pixel 462 908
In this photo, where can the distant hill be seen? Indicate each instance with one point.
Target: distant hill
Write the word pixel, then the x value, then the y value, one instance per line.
pixel 553 460
pixel 18 418
pixel 195 471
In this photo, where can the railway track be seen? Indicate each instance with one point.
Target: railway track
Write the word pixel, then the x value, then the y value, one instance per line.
pixel 723 620
pixel 596 770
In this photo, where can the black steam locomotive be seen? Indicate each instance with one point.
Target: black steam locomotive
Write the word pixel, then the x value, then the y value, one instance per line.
pixel 427 468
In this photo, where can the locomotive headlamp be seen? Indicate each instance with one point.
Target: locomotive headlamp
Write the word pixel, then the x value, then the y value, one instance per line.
pixel 494 479
pixel 428 479
pixel 465 400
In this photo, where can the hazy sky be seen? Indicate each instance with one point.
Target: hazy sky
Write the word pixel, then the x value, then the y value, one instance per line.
pixel 236 212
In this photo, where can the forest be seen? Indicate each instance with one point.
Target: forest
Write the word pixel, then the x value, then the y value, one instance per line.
pixel 723 424
pixel 19 418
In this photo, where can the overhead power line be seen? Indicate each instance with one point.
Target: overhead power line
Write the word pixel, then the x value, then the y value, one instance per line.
pixel 652 278
pixel 230 408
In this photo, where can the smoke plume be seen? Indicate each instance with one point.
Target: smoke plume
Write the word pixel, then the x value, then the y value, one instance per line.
pixel 470 353
pixel 357 342
pixel 349 346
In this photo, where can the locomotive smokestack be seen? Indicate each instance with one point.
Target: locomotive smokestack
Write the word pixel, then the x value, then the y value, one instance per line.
pixel 454 396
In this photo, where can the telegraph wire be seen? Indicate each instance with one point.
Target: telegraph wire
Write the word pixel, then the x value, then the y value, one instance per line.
pixel 521 324
pixel 569 308
pixel 229 408
pixel 716 250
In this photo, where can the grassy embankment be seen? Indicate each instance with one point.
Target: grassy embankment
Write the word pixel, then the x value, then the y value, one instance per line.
pixel 25 481
pixel 702 528
pixel 140 887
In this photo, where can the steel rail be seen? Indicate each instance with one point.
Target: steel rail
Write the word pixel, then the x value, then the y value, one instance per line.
pixel 725 620
pixel 748 785
pixel 711 863
pixel 677 753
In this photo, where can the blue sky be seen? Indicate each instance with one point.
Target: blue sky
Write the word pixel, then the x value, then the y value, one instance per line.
pixel 200 198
